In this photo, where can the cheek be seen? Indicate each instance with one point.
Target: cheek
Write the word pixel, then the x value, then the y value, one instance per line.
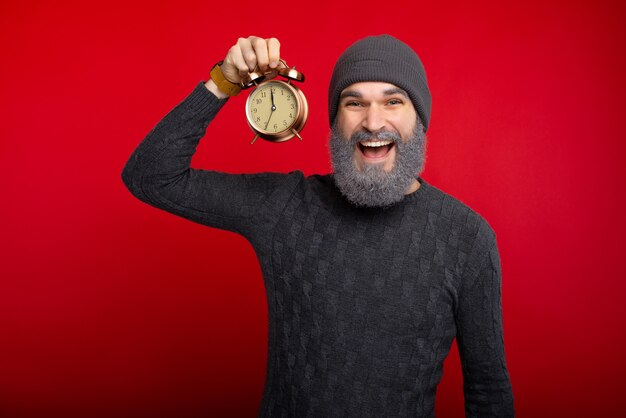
pixel 346 124
pixel 405 127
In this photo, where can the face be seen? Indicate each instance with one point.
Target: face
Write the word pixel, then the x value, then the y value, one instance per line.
pixel 373 107
pixel 377 144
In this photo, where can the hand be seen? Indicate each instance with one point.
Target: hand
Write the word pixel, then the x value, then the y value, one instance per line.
pixel 247 53
pixel 244 56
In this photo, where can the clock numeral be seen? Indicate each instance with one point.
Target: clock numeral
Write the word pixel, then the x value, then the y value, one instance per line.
pixel 288 98
pixel 290 115
pixel 293 105
pixel 258 101
pixel 263 94
pixel 258 119
pixel 275 126
pixel 254 110
pixel 285 123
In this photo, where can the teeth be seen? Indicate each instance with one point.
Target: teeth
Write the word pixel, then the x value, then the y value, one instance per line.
pixel 375 143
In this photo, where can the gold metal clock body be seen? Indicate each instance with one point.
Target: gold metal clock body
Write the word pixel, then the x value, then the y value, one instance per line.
pixel 276 110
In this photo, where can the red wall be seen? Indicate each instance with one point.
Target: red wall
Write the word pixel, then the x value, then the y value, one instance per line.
pixel 110 308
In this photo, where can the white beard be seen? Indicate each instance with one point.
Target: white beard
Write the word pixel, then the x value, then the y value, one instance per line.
pixel 372 186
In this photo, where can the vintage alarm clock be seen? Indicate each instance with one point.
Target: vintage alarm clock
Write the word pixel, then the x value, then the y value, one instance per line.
pixel 276 110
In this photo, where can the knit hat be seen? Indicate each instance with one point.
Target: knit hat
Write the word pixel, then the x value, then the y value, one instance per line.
pixel 381 58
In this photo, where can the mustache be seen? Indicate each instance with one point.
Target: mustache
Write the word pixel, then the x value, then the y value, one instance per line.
pixel 374 136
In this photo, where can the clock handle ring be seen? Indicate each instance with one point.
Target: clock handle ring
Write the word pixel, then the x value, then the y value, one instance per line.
pixel 255 77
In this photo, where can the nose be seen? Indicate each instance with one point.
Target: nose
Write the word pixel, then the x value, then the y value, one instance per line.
pixel 374 119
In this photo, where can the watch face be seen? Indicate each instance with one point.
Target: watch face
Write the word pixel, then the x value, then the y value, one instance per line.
pixel 273 107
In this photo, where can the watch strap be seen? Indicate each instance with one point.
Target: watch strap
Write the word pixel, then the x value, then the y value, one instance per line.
pixel 222 83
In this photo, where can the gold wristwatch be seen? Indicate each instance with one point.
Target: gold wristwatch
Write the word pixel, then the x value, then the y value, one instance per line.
pixel 222 83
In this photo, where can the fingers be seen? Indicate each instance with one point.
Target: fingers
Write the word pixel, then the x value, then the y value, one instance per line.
pixel 236 59
pixel 273 48
pixel 260 52
pixel 248 53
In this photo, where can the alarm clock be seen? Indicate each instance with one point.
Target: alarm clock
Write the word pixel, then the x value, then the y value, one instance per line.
pixel 276 110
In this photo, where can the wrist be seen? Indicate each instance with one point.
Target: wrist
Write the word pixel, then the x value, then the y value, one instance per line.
pixel 212 87
pixel 224 85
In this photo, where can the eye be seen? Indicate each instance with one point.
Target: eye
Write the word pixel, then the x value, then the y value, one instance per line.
pixel 394 102
pixel 352 103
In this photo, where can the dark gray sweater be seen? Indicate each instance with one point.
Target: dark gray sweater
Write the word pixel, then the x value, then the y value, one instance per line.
pixel 363 303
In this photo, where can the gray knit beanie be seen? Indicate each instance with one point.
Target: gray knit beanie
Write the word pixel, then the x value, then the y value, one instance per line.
pixel 381 58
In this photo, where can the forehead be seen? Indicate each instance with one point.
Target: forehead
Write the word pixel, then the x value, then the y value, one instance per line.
pixel 371 89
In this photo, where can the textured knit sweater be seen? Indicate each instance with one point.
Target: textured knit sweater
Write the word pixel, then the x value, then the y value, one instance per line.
pixel 363 303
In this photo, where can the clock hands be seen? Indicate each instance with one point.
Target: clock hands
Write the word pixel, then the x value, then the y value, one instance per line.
pixel 273 109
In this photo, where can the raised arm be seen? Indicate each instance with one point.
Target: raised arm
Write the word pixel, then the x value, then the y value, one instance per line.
pixel 486 382
pixel 159 173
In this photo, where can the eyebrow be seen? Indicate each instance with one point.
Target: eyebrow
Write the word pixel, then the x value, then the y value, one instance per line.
pixel 350 93
pixel 388 92
pixel 396 90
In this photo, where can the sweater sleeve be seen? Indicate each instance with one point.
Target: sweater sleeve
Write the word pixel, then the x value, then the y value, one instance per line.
pixel 486 382
pixel 158 172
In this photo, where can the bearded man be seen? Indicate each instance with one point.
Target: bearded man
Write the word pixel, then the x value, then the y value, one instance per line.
pixel 370 272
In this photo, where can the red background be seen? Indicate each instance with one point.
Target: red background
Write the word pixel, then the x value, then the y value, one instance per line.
pixel 110 308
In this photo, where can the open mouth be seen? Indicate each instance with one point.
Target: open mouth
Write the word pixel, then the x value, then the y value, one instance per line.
pixel 375 149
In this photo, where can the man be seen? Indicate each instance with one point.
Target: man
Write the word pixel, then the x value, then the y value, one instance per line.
pixel 370 272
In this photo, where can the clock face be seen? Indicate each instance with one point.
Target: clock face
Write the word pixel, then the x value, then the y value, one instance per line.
pixel 273 107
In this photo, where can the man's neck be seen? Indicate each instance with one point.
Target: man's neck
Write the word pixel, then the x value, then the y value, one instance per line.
pixel 413 187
